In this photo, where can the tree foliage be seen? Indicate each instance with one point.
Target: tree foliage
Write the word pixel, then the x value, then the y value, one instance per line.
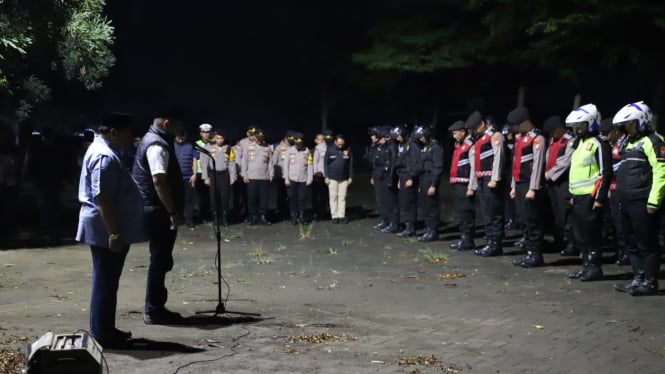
pixel 566 35
pixel 39 37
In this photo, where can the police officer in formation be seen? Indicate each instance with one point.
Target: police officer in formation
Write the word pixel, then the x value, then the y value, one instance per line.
pixel 257 172
pixel 429 168
pixel 463 195
pixel 408 153
pixel 640 188
pixel 589 182
pixel 298 175
pixel 384 180
pixel 487 158
pixel 219 175
pixel 279 155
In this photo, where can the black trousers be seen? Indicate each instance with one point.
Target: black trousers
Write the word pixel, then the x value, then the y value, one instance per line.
pixel 408 201
pixel 430 204
pixel 491 206
pixel 466 210
pixel 559 197
pixel 162 239
pixel 189 203
pixel 640 230
pixel 587 223
pixel 530 212
pixel 297 193
pixel 239 197
pixel 203 196
pixel 320 199
pixel 282 197
pixel 257 196
pixel 509 209
pixel 386 193
pixel 220 187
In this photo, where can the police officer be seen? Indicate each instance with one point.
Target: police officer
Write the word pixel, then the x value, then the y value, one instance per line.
pixel 557 166
pixel 257 172
pixel 202 191
pixel 320 199
pixel 298 175
pixel 430 168
pixel 408 154
pixel 278 156
pixel 240 192
pixel 219 176
pixel 487 157
pixel 460 177
pixel 589 182
pixel 368 156
pixel 615 137
pixel 384 178
pixel 640 189
pixel 528 163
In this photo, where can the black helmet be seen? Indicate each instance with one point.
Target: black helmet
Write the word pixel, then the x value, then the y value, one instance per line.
pixel 419 131
pixel 373 130
pixel 399 130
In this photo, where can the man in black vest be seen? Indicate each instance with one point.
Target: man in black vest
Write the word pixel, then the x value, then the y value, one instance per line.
pixel 460 177
pixel 158 177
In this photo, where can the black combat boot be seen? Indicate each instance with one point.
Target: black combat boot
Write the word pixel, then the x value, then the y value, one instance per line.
pixel 429 236
pixel 512 224
pixel 392 228
pixel 262 220
pixel 649 286
pixel 381 225
pixel 495 248
pixel 622 256
pixel 253 220
pixel 570 249
pixel 294 219
pixel 594 269
pixel 485 248
pixel 225 219
pixel 465 243
pixel 638 274
pixel 408 231
pixel 531 260
pixel 520 243
pixel 585 264
pixel 301 218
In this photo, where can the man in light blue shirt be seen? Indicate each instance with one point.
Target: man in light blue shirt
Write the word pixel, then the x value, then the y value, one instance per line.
pixel 111 218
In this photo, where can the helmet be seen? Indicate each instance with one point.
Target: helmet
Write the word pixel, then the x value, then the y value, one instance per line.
pixel 373 130
pixel 419 131
pixel 586 113
pixel 396 131
pixel 638 111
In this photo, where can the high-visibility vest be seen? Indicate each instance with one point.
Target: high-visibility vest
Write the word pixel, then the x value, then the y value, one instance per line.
pixel 201 144
pixel 584 168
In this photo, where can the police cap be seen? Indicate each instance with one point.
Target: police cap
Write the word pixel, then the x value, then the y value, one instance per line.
pixel 458 125
pixel 518 115
pixel 474 120
pixel 552 123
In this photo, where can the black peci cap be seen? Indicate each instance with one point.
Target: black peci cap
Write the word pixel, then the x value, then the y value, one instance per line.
pixel 474 120
pixel 458 125
pixel 116 121
pixel 518 115
pixel 220 132
pixel 551 124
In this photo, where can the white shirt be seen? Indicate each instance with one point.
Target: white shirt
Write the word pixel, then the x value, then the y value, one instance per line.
pixel 158 159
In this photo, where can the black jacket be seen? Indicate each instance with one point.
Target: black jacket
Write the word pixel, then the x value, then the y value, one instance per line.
pixel 338 163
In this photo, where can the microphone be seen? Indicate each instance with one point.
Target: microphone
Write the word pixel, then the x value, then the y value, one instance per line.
pixel 202 150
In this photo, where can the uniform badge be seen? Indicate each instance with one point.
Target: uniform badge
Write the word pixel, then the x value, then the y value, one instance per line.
pixel 589 146
pixel 615 151
pixel 662 151
pixel 536 144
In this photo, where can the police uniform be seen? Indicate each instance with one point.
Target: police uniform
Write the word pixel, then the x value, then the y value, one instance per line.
pixel 222 174
pixel 320 197
pixel 460 177
pixel 279 156
pixel 384 177
pixel 257 171
pixel 486 157
pixel 298 172
pixel 369 157
pixel 408 154
pixel 589 181
pixel 640 180
pixel 240 190
pixel 430 169
pixel 202 191
pixel 557 165
pixel 528 163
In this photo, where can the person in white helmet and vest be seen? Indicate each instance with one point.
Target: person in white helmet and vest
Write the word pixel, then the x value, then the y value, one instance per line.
pixel 640 180
pixel 588 182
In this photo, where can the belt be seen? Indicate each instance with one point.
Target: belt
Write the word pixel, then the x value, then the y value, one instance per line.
pixel 484 173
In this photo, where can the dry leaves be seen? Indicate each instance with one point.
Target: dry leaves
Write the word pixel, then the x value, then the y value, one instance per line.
pixel 428 361
pixel 318 338
pixel 12 361
pixel 451 276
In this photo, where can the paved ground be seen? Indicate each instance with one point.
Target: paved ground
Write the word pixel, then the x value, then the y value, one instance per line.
pixel 348 300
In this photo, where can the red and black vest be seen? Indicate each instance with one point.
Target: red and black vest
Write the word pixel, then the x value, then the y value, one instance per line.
pixel 523 158
pixel 556 150
pixel 460 168
pixel 484 155
pixel 616 160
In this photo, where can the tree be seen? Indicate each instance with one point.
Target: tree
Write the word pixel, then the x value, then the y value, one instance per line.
pixel 38 38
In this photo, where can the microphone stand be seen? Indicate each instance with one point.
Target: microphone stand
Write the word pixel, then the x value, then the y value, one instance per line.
pixel 221 308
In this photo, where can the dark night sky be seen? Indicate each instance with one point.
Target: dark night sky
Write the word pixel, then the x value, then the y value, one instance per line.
pixel 265 63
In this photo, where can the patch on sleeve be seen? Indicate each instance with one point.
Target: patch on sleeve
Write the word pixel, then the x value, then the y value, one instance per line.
pixel 536 144
pixel 497 139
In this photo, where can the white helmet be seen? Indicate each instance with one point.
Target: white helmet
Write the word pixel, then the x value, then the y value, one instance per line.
pixel 638 111
pixel 586 113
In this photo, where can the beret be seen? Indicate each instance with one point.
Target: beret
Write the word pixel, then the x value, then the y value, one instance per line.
pixel 458 125
pixel 518 115
pixel 551 123
pixel 474 120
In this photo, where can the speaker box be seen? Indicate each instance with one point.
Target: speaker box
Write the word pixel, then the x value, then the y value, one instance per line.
pixel 65 354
